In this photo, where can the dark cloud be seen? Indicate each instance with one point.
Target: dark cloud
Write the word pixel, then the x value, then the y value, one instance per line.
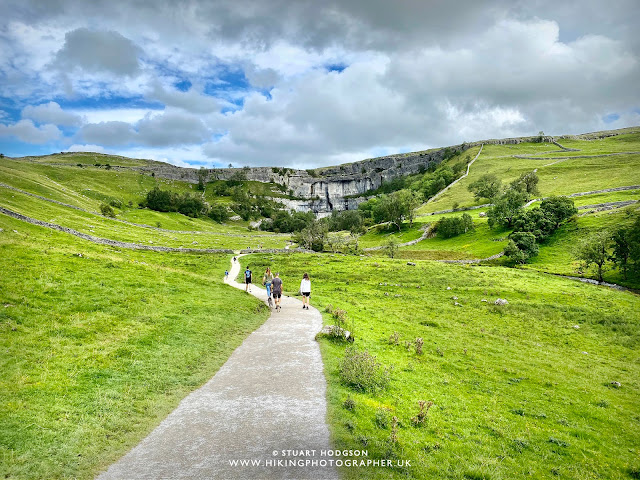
pixel 99 51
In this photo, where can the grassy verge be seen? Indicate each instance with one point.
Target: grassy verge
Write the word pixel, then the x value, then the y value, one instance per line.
pixel 518 390
pixel 97 349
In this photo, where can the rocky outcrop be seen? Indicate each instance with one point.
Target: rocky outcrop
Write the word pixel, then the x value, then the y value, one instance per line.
pixel 321 190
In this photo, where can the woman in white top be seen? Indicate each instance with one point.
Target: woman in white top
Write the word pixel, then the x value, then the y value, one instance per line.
pixel 305 289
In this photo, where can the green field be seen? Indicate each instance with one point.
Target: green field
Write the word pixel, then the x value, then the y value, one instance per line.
pixel 518 391
pixel 100 344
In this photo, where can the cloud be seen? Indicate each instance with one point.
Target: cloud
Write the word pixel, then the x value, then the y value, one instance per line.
pixel 171 128
pixel 160 129
pixel 86 148
pixel 99 51
pixel 192 100
pixel 26 131
pixel 107 133
pixel 51 113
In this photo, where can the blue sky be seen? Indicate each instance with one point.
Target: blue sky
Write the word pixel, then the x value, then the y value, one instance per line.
pixel 218 82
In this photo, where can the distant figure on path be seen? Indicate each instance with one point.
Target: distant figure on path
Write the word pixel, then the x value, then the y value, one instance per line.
pixel 305 289
pixel 276 287
pixel 247 280
pixel 266 281
pixel 226 274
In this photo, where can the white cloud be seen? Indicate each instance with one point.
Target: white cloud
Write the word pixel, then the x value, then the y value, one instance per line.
pixel 26 131
pixel 51 113
pixel 85 148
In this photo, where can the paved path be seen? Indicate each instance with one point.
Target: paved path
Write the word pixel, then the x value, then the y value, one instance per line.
pixel 269 395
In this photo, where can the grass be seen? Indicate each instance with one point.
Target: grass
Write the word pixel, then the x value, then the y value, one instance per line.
pixel 215 236
pixel 563 178
pixel 97 349
pixel 518 391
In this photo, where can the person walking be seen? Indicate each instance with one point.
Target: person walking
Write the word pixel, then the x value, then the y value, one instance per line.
pixel 226 274
pixel 267 278
pixel 305 289
pixel 276 288
pixel 247 280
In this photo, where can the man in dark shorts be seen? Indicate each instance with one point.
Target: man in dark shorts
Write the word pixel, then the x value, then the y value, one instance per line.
pixel 276 290
pixel 247 280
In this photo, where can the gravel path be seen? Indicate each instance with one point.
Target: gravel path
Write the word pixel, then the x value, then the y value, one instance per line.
pixel 268 397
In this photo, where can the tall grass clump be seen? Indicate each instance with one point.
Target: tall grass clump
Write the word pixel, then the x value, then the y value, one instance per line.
pixel 361 371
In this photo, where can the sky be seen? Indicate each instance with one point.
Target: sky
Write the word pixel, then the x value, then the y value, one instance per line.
pixel 308 83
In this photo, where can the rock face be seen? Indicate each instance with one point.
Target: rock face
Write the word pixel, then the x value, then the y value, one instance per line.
pixel 321 190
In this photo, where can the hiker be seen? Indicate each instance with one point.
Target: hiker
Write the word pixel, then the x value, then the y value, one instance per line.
pixel 247 280
pixel 226 274
pixel 276 289
pixel 234 260
pixel 266 281
pixel 305 290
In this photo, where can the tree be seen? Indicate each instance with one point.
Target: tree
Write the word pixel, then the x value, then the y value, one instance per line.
pixel 626 246
pixel 452 226
pixel 411 201
pixel 159 200
pixel 487 186
pixel 390 208
pixel 527 182
pixel 506 207
pixel 558 209
pixel 202 175
pixel 391 247
pixel 521 247
pixel 312 237
pixel 218 213
pixel 593 251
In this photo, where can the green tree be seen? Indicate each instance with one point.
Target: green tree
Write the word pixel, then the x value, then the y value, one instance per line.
pixel 411 200
pixel 487 186
pixel 506 207
pixel 391 208
pixel 159 200
pixel 521 247
pixel 391 247
pixel 594 251
pixel 527 182
pixel 218 213
pixel 202 175
pixel 558 210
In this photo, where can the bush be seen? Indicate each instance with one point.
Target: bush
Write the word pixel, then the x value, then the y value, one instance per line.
pixel 107 211
pixel 218 213
pixel 452 226
pixel 361 371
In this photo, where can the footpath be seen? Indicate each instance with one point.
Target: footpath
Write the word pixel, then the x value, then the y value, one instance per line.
pixel 262 416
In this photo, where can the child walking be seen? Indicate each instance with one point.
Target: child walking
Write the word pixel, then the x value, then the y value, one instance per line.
pixel 305 289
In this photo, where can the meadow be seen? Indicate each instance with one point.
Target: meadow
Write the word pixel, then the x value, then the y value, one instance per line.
pixel 524 390
pixel 100 344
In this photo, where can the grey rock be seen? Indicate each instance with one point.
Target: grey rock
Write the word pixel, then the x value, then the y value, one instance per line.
pixel 501 301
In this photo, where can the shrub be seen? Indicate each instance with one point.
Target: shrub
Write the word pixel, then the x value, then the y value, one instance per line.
pixel 421 418
pixel 107 211
pixel 382 418
pixel 361 371
pixel 452 226
pixel 115 203
pixel 349 404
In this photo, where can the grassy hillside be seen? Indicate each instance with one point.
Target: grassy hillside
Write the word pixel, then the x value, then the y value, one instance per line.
pixel 519 391
pixel 99 345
